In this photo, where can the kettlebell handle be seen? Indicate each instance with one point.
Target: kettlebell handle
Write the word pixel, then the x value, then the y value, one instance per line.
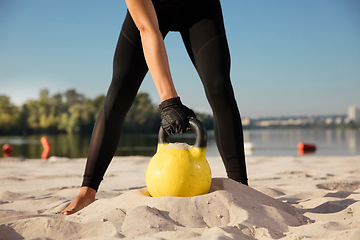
pixel 197 126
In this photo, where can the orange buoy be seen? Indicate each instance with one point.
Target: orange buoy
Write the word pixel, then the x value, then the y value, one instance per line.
pixel 304 148
pixel 47 148
pixel 7 150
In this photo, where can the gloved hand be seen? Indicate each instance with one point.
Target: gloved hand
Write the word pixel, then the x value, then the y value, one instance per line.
pixel 175 116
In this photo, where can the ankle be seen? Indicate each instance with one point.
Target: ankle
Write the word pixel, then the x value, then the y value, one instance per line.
pixel 87 192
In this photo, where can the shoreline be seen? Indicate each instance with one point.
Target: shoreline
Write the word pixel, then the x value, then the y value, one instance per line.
pixel 288 197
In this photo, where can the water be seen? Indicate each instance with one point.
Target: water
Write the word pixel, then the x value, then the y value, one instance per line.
pixel 329 142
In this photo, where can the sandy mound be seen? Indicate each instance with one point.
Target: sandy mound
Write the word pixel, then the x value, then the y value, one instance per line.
pixel 291 198
pixel 230 209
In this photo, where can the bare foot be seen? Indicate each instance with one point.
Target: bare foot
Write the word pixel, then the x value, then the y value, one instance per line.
pixel 85 197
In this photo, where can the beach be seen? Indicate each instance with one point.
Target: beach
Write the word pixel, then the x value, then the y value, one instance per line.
pixel 303 197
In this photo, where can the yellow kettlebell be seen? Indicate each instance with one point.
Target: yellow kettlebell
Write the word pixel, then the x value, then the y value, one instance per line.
pixel 178 169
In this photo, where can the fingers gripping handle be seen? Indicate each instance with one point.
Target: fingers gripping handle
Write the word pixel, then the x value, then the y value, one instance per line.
pixel 194 124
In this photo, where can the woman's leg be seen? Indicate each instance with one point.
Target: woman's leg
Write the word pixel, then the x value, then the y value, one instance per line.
pixel 207 46
pixel 129 69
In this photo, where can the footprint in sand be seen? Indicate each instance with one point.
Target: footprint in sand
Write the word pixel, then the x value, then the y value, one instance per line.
pixel 7 195
pixel 341 186
pixel 332 206
pixel 340 194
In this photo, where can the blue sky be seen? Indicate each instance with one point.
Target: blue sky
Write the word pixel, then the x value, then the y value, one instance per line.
pixel 288 57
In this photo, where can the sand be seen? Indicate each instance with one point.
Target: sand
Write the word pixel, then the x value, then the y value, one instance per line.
pixel 305 197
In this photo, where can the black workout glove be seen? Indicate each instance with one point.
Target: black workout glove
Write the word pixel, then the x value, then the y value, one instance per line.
pixel 175 116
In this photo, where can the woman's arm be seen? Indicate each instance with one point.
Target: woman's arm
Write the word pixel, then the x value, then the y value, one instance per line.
pixel 174 114
pixel 144 16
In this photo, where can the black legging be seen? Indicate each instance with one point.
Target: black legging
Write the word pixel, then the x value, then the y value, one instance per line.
pixel 202 30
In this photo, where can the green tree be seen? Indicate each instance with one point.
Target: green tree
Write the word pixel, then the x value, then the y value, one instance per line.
pixel 206 119
pixel 31 111
pixel 72 112
pixel 48 120
pixel 10 117
pixel 57 107
pixel 43 115
pixel 143 116
pixel 81 118
pixel 97 103
pixel 72 97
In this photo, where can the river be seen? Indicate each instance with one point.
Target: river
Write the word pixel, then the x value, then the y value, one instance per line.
pixel 265 142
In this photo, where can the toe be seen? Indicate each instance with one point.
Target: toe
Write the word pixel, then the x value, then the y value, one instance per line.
pixel 69 212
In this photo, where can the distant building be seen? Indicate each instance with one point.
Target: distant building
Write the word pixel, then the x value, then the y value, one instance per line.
pixel 338 120
pixel 354 114
pixel 329 120
pixel 246 121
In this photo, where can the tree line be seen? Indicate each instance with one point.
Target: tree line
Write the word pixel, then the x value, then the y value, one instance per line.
pixel 71 112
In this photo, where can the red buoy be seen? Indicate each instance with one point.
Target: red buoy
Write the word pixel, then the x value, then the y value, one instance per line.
pixel 304 148
pixel 7 150
pixel 47 148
